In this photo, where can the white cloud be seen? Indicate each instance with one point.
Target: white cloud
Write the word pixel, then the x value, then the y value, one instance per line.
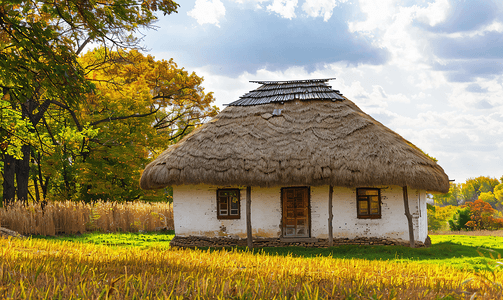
pixel 379 15
pixel 253 4
pixel 208 12
pixel 391 26
pixel 285 8
pixel 434 14
pixel 318 8
pixel 424 106
pixel 495 26
pixel 491 93
pixel 250 1
pixel 465 144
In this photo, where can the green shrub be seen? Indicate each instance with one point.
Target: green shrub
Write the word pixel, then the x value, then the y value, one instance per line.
pixel 459 220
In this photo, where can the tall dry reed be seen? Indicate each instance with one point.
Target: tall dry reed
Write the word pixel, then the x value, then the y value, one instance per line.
pixel 75 217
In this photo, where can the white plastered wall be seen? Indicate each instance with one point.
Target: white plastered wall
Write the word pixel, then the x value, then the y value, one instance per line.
pixel 392 224
pixel 195 213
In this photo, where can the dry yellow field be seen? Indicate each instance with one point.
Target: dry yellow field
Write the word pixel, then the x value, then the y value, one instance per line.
pixel 40 269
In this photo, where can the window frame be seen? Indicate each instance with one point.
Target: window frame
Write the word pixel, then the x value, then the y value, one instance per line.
pixel 225 217
pixel 368 215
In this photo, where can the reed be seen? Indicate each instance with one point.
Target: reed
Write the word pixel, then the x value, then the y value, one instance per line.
pixel 70 217
pixel 40 269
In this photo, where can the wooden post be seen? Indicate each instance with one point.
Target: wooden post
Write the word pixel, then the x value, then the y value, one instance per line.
pixel 409 217
pixel 330 217
pixel 248 218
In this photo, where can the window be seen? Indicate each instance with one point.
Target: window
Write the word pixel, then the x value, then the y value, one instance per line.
pixel 228 204
pixel 368 203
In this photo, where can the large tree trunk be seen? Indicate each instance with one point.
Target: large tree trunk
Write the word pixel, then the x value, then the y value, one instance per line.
pixel 23 165
pixel 9 188
pixel 23 173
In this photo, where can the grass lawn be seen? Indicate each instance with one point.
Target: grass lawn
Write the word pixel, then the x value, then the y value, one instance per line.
pixel 159 239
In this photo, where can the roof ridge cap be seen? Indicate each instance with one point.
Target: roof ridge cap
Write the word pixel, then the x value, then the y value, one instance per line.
pixel 291 81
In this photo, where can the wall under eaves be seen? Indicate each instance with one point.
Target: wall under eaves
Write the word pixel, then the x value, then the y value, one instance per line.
pixel 195 213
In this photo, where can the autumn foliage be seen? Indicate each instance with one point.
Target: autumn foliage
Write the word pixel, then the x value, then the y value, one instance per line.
pixel 477 215
pixel 42 81
pixel 96 151
pixel 482 216
pixel 140 106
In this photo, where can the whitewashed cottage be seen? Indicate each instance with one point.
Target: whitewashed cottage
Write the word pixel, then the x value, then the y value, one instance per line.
pixel 296 162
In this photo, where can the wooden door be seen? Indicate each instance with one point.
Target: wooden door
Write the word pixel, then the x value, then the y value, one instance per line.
pixel 295 212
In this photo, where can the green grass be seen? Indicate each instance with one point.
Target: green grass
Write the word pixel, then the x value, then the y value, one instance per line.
pixel 459 251
pixel 124 239
pixel 492 242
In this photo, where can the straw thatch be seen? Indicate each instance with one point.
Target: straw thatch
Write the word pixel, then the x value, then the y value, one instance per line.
pixel 310 141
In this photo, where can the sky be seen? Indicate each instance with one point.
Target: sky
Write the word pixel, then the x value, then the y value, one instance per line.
pixel 432 71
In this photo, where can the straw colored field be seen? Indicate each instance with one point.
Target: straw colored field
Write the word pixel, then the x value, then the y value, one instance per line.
pixel 42 269
pixel 75 217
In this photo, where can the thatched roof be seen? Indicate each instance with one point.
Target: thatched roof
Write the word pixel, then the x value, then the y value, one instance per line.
pixel 294 133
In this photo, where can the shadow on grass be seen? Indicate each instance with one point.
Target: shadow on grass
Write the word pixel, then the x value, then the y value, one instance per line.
pixel 445 253
pixel 445 250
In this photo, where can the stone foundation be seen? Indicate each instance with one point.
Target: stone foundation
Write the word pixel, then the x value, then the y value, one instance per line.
pixel 200 241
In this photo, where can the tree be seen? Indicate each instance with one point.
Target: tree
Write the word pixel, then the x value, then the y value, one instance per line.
pixel 39 45
pixel 453 197
pixel 498 195
pixel 489 197
pixel 473 187
pixel 167 103
pixel 139 107
pixel 482 216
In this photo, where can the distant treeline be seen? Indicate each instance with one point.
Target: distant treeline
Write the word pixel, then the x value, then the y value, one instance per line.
pixel 476 204
pixel 485 188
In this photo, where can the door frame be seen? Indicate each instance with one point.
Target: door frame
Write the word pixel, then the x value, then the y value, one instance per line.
pixel 308 211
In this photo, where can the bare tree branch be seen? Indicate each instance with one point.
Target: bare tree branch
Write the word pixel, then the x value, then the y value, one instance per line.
pixel 72 113
pixel 125 117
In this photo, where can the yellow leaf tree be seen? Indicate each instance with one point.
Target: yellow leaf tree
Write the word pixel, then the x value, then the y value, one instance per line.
pixel 140 106
pixel 40 42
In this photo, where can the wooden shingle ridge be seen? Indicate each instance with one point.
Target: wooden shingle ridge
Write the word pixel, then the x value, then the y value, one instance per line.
pixel 291 81
pixel 282 91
